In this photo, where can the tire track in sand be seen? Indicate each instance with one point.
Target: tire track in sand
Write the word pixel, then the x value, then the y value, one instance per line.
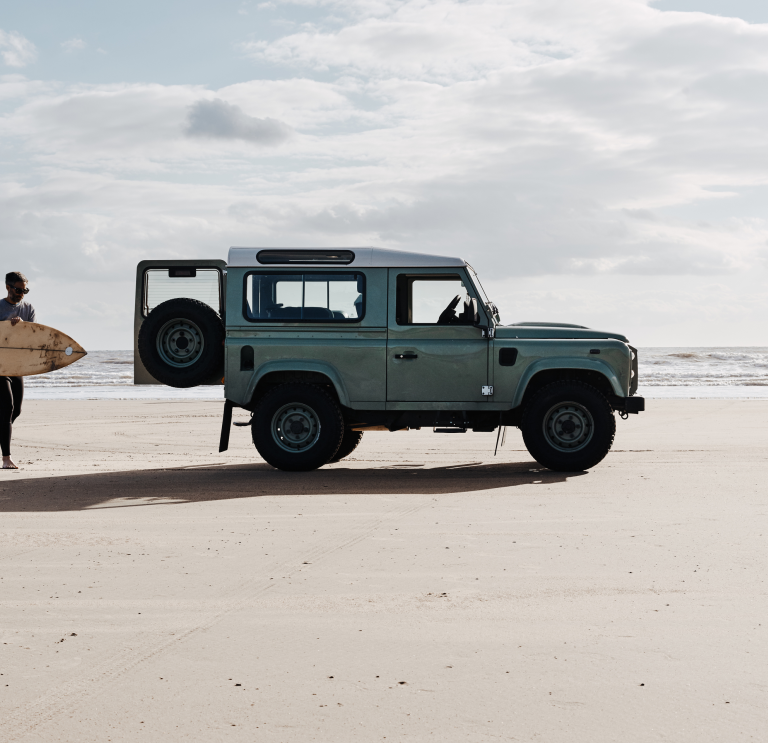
pixel 22 721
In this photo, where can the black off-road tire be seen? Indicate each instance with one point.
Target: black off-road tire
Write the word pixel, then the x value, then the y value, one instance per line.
pixel 568 426
pixel 297 427
pixel 349 442
pixel 181 343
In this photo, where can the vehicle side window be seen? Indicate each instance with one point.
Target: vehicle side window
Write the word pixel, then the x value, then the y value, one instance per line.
pixel 304 297
pixel 433 300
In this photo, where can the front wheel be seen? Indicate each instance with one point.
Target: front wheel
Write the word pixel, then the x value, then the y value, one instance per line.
pixel 297 427
pixel 568 426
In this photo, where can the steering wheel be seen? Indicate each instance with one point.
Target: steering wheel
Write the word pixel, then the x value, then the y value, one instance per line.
pixel 448 314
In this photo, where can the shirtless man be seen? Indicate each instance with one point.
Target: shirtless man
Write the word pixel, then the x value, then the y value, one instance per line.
pixel 15 309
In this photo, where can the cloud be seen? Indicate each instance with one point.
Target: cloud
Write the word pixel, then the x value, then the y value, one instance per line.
pixel 15 50
pixel 439 41
pixel 597 144
pixel 73 45
pixel 142 127
pixel 219 119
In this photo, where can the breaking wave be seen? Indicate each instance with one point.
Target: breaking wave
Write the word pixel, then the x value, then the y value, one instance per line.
pixel 696 367
pixel 106 375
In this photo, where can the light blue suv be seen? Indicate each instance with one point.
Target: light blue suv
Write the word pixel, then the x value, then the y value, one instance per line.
pixel 322 345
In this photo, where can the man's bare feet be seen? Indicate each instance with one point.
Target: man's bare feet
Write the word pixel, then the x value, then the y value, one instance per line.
pixel 9 464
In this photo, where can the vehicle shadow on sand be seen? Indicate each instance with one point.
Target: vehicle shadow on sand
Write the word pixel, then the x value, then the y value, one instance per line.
pixel 201 483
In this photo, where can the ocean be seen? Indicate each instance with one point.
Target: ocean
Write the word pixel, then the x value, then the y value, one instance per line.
pixel 739 372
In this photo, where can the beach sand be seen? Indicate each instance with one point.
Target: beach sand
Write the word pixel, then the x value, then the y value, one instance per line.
pixel 423 590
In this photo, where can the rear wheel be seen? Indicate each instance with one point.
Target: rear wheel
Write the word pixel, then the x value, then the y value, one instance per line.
pixel 568 426
pixel 297 427
pixel 349 443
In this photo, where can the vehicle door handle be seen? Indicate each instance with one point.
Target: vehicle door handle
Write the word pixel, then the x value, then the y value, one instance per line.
pixel 406 356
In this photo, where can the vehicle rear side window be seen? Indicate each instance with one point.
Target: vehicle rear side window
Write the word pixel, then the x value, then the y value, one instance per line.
pixel 304 297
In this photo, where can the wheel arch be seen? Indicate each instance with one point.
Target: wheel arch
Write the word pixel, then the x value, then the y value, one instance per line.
pixel 273 373
pixel 541 373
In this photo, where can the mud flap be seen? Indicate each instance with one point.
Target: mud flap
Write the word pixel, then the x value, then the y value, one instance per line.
pixel 226 425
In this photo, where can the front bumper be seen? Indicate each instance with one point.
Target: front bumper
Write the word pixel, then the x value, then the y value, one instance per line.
pixel 632 404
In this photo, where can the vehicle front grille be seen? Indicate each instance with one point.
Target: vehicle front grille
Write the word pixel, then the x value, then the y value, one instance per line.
pixel 633 377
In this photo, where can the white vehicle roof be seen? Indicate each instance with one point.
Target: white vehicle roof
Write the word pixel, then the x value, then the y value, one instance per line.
pixel 351 257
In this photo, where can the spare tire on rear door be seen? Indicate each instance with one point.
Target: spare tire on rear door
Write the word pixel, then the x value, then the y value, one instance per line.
pixel 181 343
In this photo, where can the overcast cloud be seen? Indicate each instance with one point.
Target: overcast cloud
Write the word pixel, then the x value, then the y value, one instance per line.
pixel 15 50
pixel 220 119
pixel 600 161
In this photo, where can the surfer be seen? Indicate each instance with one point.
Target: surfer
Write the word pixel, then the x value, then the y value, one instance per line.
pixel 16 309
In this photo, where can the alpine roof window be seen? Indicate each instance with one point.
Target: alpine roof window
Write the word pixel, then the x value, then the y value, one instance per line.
pixel 287 257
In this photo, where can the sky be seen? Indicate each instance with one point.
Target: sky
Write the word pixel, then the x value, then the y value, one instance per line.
pixel 599 162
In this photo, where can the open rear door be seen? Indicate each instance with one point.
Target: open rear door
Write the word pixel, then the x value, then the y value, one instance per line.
pixel 159 281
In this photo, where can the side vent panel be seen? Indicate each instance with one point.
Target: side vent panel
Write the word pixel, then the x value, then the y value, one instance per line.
pixel 246 358
pixel 507 356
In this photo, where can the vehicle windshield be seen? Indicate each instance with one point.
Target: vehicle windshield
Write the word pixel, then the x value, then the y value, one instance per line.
pixel 489 305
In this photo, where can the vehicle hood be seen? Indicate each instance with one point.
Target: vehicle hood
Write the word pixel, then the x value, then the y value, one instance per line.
pixel 554 330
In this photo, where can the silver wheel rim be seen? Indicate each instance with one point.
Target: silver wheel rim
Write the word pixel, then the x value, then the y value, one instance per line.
pixel 295 427
pixel 568 426
pixel 180 343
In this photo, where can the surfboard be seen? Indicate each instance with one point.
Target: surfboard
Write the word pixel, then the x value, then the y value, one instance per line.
pixel 29 348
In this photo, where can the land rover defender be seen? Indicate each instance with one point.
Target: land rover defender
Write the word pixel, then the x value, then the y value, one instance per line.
pixel 321 345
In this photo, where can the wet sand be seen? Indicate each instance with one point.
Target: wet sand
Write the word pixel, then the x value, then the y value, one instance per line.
pixel 154 589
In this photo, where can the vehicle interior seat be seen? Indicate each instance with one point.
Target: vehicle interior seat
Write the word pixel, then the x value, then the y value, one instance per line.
pixel 294 313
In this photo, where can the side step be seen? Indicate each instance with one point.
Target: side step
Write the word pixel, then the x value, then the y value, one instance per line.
pixel 449 430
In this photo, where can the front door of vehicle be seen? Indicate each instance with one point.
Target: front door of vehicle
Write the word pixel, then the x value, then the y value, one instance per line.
pixel 435 354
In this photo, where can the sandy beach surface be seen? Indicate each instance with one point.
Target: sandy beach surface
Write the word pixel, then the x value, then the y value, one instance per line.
pixel 153 589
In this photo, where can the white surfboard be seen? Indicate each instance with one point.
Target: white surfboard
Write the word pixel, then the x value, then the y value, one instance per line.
pixel 29 348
